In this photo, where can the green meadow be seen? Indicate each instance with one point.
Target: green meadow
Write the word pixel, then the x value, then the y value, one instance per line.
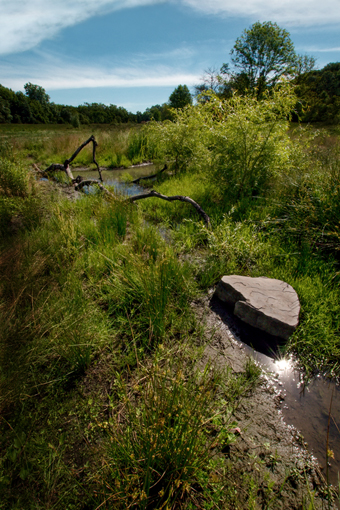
pixel 106 401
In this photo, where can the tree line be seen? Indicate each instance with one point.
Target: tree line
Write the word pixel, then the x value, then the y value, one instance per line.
pixel 261 57
pixel 34 107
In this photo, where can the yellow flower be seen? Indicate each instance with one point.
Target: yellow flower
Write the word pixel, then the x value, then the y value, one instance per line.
pixel 330 454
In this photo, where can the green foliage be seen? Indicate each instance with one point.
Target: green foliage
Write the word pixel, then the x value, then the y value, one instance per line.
pixel 251 142
pixel 183 143
pixel 18 200
pixel 242 142
pixel 308 207
pixel 319 94
pixel 5 111
pixel 36 93
pixel 180 97
pixel 263 53
pixel 13 179
pixel 304 64
pixel 101 399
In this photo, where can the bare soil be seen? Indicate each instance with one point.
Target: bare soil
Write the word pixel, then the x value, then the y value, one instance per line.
pixel 273 453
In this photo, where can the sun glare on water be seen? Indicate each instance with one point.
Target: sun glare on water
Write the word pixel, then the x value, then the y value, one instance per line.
pixel 283 364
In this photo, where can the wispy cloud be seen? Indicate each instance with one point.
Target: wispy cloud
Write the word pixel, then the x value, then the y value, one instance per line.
pixel 324 50
pixel 25 23
pixel 289 12
pixel 58 75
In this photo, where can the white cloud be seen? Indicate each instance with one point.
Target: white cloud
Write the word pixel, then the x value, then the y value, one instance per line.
pixel 324 50
pixel 289 12
pixel 53 74
pixel 25 23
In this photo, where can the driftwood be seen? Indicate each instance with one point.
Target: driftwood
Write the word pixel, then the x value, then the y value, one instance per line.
pixel 181 198
pixel 79 182
pixel 136 181
pixel 66 166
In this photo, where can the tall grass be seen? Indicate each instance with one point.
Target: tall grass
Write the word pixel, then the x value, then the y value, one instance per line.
pixel 160 444
pixel 44 145
pixel 103 399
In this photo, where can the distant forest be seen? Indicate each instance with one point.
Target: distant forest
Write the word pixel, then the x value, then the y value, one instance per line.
pixel 318 93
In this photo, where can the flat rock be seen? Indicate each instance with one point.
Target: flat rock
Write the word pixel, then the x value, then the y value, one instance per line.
pixel 265 303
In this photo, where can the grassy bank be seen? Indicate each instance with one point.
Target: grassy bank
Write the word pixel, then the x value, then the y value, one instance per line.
pixel 272 192
pixel 256 246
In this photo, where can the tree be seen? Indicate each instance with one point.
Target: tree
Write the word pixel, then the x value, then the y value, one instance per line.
pixel 36 92
pixel 262 54
pixel 304 64
pixel 210 82
pixel 180 97
pixel 319 94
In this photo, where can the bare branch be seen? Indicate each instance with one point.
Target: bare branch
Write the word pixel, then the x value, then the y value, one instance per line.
pixel 66 166
pixel 181 198
pixel 136 181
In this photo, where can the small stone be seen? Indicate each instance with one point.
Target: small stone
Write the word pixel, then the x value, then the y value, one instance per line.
pixel 265 303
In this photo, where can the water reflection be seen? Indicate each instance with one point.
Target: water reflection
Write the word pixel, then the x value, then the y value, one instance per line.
pixel 114 178
pixel 306 406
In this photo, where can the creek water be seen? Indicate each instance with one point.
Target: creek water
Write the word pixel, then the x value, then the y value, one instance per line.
pixel 313 408
pixel 310 408
pixel 113 177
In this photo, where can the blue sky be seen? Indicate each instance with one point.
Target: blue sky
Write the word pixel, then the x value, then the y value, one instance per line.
pixel 133 53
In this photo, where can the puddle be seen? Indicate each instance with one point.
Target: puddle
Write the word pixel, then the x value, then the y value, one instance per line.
pixel 306 407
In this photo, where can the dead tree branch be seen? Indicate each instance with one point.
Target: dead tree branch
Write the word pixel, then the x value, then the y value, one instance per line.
pixel 181 198
pixel 136 181
pixel 63 168
pixel 66 166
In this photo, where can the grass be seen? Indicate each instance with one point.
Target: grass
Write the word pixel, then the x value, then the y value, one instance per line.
pixel 106 401
pixel 46 144
pixel 290 234
pixel 158 445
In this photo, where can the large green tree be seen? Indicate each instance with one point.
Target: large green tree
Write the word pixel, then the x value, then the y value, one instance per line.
pixel 261 55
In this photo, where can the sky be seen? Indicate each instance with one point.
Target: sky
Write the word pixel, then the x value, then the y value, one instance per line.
pixel 133 53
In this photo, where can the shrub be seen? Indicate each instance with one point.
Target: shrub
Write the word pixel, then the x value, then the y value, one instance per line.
pixel 252 143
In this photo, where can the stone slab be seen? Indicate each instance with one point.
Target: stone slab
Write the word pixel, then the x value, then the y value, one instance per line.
pixel 265 303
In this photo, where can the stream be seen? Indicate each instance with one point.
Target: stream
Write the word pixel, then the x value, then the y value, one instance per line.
pixel 305 406
pixel 112 177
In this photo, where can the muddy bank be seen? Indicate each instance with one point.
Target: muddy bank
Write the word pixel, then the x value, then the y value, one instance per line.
pixel 268 449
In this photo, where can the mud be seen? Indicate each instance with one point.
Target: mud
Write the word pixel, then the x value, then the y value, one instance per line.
pixel 268 449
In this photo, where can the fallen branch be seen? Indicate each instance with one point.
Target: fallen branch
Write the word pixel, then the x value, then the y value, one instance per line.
pixel 66 166
pixel 181 198
pixel 58 166
pixel 93 140
pixel 136 181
